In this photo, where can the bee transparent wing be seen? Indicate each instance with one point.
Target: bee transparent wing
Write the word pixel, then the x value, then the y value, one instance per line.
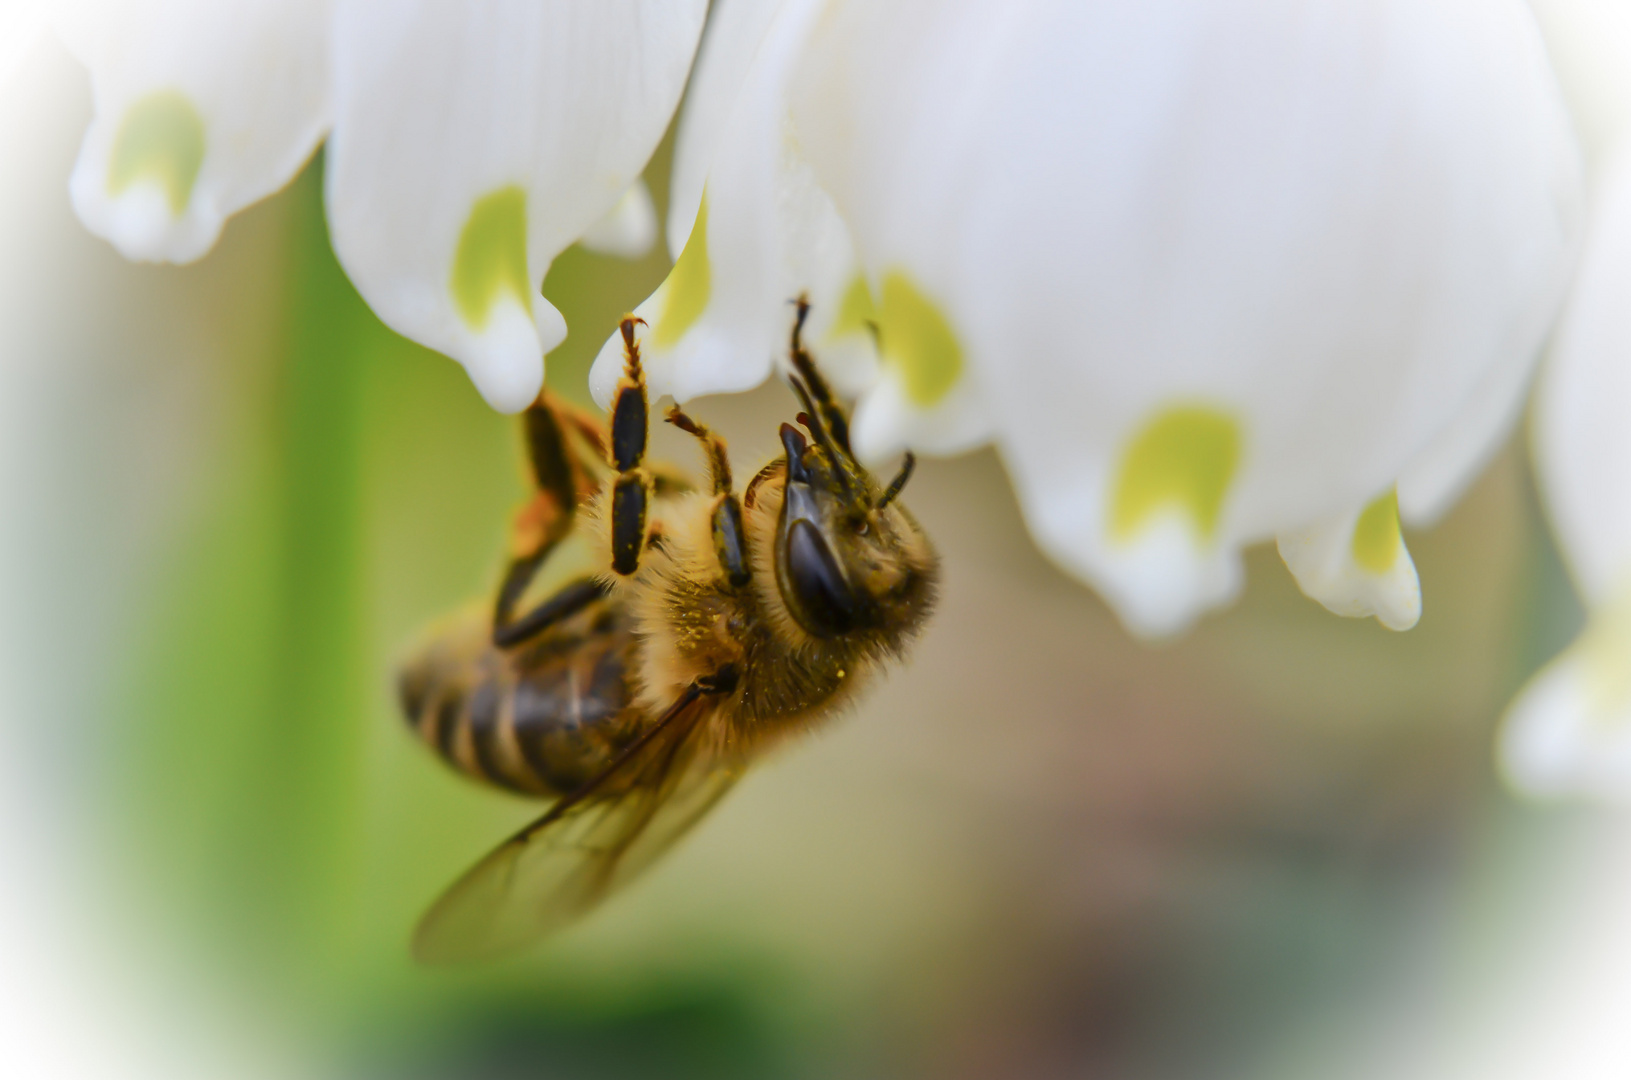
pixel 586 847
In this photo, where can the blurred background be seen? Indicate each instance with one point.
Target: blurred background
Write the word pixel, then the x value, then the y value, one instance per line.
pixel 233 499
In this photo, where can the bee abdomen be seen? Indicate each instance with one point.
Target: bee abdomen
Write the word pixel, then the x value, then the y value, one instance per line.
pixel 570 719
pixel 542 719
pixel 467 725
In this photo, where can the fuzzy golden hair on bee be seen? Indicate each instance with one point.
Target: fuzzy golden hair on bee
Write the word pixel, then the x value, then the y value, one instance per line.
pixel 716 626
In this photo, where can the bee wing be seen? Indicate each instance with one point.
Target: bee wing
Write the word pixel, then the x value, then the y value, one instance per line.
pixel 588 845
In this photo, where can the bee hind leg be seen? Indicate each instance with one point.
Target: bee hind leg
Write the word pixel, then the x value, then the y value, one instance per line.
pixel 566 602
pixel 562 479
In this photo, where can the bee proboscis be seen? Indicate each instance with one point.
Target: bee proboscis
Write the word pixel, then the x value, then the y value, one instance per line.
pixel 637 696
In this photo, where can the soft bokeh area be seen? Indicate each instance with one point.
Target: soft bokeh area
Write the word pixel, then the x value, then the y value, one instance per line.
pixel 233 499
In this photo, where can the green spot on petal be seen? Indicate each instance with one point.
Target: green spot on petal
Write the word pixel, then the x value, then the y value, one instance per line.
pixel 856 312
pixel 690 284
pixel 918 341
pixel 1376 540
pixel 1184 458
pixel 492 256
pixel 162 140
pixel 1604 648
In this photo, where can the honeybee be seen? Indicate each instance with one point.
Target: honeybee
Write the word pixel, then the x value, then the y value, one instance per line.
pixel 636 697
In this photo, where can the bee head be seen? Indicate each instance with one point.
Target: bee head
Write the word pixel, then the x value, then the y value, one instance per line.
pixel 849 559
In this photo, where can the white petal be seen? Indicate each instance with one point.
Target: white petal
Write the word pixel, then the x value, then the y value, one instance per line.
pixel 1170 236
pixel 1435 478
pixel 1157 585
pixel 1356 564
pixel 629 229
pixel 1582 429
pixel 1569 731
pixel 887 420
pixel 1590 44
pixel 201 109
pixel 764 234
pixel 729 45
pixel 1591 48
pixel 22 24
pixel 473 143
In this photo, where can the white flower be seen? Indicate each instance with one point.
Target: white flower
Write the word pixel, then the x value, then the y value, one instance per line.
pixel 750 225
pixel 1206 273
pixel 469 144
pixel 1569 731
pixel 21 24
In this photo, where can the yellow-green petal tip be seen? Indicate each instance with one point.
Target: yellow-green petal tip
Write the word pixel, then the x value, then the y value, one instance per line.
pixel 1376 540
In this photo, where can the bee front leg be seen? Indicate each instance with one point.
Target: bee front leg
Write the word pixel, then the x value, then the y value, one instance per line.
pixel 631 491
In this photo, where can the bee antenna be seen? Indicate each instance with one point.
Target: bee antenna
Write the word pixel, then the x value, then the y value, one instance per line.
pixel 895 485
pixel 810 413
pixel 802 303
pixel 820 394
pixel 811 418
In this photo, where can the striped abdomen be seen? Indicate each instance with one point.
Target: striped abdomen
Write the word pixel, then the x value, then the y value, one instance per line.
pixel 541 718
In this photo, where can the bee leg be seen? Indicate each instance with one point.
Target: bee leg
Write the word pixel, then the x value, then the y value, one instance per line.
pixel 570 600
pixel 563 480
pixel 730 541
pixel 631 491
pixel 822 402
pixel 668 481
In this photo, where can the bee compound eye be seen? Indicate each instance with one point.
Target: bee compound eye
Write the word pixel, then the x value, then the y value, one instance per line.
pixel 823 600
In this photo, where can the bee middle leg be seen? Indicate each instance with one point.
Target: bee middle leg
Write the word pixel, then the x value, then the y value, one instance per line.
pixel 730 539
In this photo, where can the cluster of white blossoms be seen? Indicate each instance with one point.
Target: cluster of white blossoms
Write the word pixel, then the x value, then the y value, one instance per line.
pixel 1205 272
pixel 467 144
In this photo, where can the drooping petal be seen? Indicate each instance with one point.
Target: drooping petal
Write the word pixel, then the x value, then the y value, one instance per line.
pixel 1356 564
pixel 202 108
pixel 1231 265
pixel 629 229
pixel 762 232
pixel 1582 424
pixel 1570 729
pixel 473 143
